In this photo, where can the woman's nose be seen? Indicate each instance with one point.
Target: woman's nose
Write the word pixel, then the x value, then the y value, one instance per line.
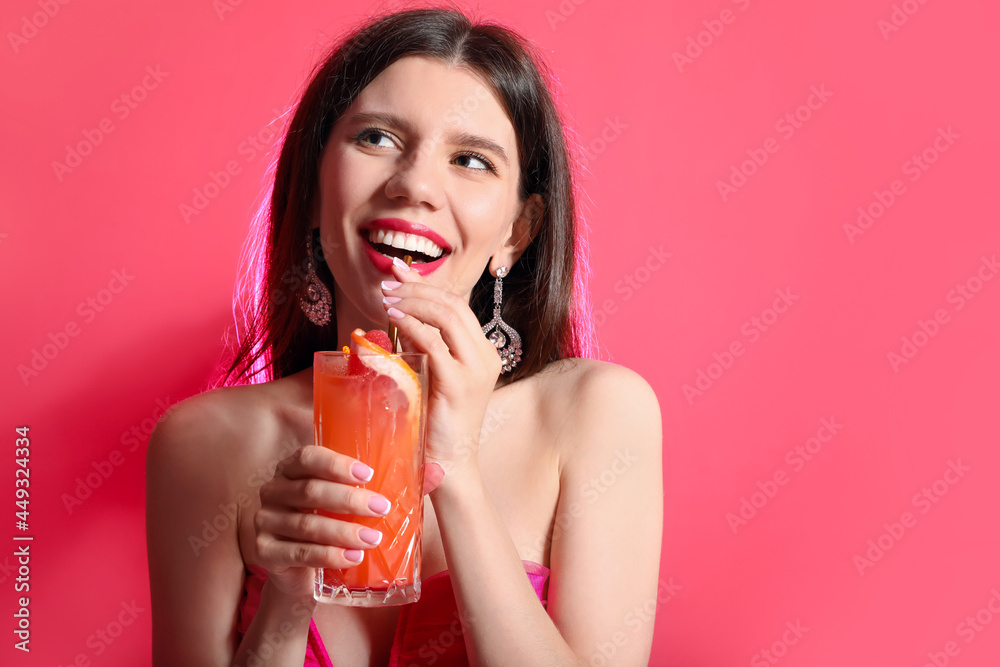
pixel 417 178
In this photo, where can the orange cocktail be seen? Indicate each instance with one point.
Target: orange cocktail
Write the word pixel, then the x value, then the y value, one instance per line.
pixel 375 411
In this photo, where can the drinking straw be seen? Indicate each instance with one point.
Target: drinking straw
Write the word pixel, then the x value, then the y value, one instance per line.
pixel 393 333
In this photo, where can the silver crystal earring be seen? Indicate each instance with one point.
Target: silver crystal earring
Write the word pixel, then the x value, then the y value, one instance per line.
pixel 502 335
pixel 316 300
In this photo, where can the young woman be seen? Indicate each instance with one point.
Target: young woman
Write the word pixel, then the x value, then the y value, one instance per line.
pixel 542 528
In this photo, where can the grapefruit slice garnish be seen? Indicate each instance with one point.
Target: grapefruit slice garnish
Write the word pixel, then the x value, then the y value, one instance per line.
pixel 374 358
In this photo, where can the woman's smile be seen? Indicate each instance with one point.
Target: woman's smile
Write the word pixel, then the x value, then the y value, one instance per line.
pixel 388 238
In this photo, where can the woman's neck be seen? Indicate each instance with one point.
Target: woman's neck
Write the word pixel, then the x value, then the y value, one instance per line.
pixel 350 318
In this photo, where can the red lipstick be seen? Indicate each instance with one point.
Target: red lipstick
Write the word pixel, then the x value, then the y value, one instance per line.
pixel 384 263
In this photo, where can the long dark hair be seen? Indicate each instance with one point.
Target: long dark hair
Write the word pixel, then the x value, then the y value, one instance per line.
pixel 545 295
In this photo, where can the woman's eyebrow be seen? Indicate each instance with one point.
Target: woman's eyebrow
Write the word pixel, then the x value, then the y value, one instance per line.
pixel 482 143
pixel 381 118
pixel 462 138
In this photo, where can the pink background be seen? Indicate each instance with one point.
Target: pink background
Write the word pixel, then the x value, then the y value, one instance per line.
pixel 661 133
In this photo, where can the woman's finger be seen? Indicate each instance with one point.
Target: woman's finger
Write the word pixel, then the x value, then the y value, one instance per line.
pixel 444 311
pixel 413 284
pixel 278 553
pixel 467 347
pixel 426 338
pixel 316 461
pixel 433 476
pixel 311 527
pixel 313 493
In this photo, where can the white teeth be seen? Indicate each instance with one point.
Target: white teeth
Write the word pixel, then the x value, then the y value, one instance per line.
pixel 411 242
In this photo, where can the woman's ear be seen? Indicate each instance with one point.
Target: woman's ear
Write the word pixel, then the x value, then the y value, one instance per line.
pixel 520 233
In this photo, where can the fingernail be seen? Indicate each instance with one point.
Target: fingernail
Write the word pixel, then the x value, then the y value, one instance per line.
pixel 396 314
pixel 390 284
pixel 362 472
pixel 400 263
pixel 390 299
pixel 354 555
pixel 372 537
pixel 379 504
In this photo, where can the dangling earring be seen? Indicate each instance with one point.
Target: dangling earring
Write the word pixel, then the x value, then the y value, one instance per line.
pixel 509 345
pixel 316 301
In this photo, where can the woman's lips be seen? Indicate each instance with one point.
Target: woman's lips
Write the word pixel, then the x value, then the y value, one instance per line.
pixel 407 227
pixel 384 263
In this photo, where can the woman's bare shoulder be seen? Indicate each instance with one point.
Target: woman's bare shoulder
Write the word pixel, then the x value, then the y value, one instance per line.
pixel 230 425
pixel 569 380
pixel 215 415
pixel 594 404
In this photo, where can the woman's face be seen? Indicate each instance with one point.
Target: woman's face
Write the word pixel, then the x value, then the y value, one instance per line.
pixel 425 158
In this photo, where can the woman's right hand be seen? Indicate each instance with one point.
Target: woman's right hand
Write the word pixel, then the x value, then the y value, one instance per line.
pixel 292 540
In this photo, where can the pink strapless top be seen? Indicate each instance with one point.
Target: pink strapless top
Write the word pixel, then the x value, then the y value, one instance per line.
pixel 428 631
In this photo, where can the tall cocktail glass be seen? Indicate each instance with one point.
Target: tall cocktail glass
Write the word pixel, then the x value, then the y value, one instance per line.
pixel 374 408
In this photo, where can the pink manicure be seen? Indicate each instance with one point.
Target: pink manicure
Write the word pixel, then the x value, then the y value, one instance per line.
pixel 395 313
pixel 390 300
pixel 370 536
pixel 362 472
pixel 379 505
pixel 354 555
pixel 400 263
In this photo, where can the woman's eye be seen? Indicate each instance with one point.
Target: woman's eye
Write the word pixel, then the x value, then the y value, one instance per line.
pixel 372 137
pixel 486 165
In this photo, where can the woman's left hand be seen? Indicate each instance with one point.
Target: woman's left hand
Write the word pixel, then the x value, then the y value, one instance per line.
pixel 463 363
